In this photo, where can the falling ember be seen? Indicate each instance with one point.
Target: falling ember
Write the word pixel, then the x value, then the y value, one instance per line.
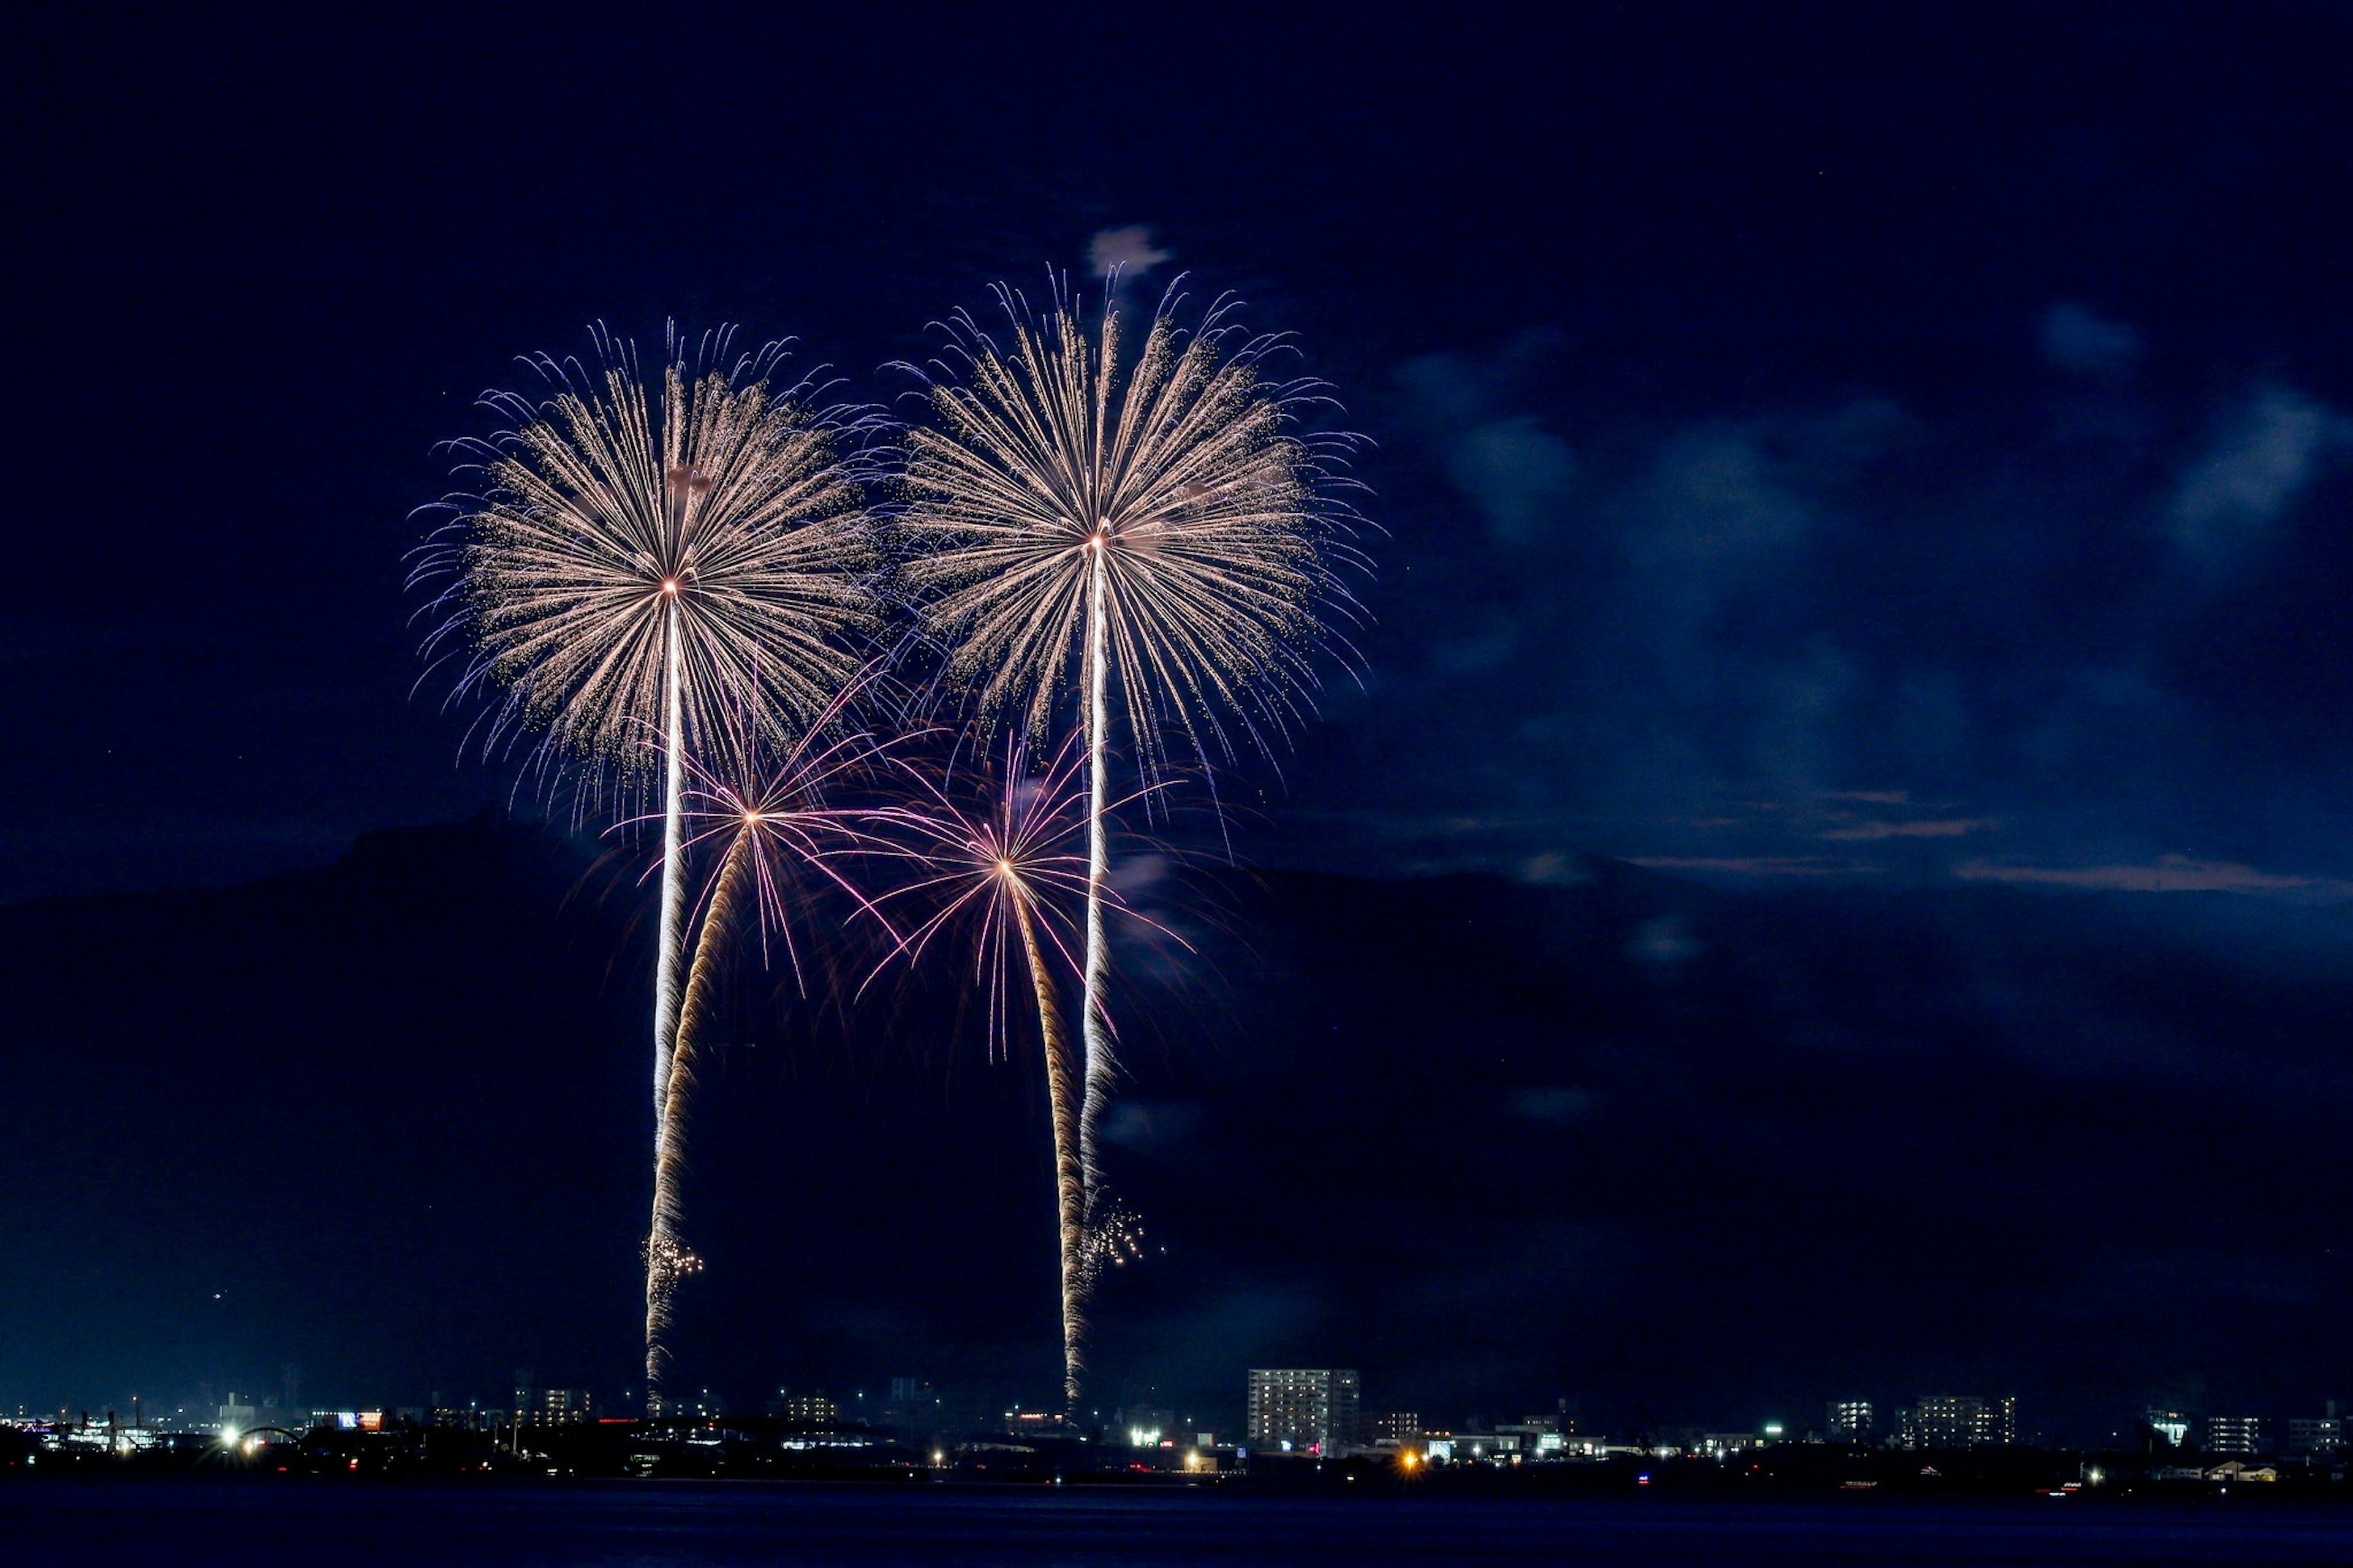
pixel 669 1260
pixel 1113 1239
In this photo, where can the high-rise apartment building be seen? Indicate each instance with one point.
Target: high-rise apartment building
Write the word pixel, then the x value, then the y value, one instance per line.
pixel 1850 1420
pixel 565 1407
pixel 2234 1435
pixel 1960 1421
pixel 1308 1409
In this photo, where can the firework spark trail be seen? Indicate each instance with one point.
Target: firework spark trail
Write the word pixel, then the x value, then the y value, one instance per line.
pixel 768 807
pixel 998 869
pixel 1093 1018
pixel 668 1258
pixel 674 862
pixel 1164 520
pixel 1070 1189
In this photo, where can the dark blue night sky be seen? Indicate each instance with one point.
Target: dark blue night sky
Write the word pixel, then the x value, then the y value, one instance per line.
pixel 1811 441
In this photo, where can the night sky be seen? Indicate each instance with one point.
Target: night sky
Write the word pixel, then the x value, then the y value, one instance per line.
pixel 1862 446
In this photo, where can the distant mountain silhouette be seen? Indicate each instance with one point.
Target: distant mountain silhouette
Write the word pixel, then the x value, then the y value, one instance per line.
pixel 1686 1154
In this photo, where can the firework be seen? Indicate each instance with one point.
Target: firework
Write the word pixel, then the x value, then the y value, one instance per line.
pixel 1000 871
pixel 631 564
pixel 1078 517
pixel 996 870
pixel 765 808
pixel 628 563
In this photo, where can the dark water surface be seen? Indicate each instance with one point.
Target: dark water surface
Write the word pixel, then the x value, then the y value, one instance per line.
pixel 696 1523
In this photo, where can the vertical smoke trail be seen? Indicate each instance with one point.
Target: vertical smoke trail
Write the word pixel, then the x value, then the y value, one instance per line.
pixel 1069 1186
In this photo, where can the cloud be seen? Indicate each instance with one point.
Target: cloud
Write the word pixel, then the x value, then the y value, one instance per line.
pixel 1507 464
pixel 1517 472
pixel 1933 827
pixel 1133 875
pixel 1552 869
pixel 1151 1129
pixel 1717 506
pixel 2266 458
pixel 1729 506
pixel 1754 865
pixel 1663 943
pixel 1921 634
pixel 2076 339
pixel 1130 249
pixel 1494 643
pixel 2167 874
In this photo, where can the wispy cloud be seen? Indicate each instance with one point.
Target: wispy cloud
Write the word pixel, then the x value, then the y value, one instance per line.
pixel 1757 865
pixel 1930 827
pixel 1515 471
pixel 1518 471
pixel 2264 460
pixel 2079 340
pixel 1554 870
pixel 2167 874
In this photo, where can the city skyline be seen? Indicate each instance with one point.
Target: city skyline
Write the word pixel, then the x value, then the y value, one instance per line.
pixel 1317 1414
